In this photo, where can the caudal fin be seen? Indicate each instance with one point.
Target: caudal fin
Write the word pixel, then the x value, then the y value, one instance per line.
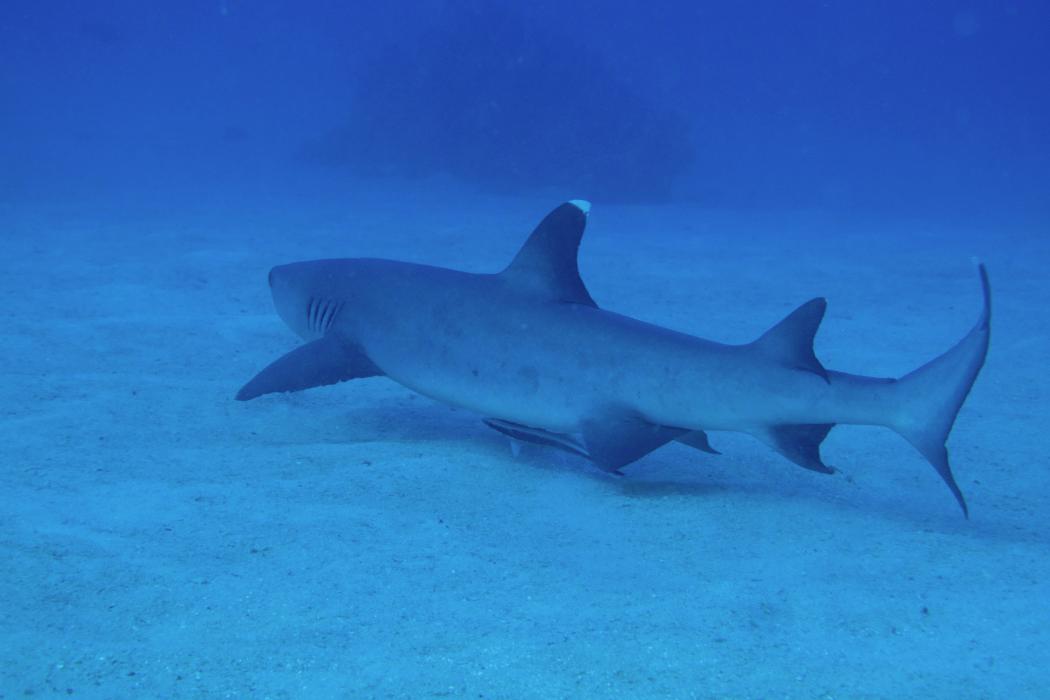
pixel 931 396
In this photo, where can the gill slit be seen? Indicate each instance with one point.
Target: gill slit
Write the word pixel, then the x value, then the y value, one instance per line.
pixel 321 314
pixel 326 315
pixel 337 306
pixel 311 311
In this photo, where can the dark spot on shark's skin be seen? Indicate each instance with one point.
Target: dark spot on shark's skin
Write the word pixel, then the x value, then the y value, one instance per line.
pixel 454 331
pixel 531 377
pixel 232 133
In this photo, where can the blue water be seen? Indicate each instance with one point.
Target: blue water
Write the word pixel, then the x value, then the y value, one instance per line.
pixel 161 540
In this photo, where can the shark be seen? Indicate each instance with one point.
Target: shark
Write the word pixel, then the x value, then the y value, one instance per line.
pixel 529 350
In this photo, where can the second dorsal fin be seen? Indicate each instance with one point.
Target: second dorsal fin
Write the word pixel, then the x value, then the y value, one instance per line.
pixel 790 342
pixel 546 264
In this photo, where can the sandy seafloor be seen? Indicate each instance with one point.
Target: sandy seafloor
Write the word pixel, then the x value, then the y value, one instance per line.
pixel 159 539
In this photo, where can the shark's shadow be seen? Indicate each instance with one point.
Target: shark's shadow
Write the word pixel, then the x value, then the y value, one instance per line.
pixel 675 471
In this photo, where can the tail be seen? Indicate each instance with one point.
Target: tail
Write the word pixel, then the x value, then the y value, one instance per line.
pixel 931 396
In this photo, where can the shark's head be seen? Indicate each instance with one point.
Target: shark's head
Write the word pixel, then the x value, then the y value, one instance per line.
pixel 309 296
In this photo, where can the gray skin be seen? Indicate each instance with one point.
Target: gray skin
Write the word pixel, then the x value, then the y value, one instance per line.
pixel 529 349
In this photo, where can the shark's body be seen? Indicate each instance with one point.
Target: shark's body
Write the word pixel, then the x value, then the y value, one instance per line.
pixel 529 349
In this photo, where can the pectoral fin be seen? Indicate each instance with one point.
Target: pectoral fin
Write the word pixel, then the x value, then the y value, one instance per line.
pixel 318 363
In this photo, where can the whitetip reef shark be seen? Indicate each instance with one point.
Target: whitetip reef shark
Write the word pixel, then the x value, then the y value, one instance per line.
pixel 530 350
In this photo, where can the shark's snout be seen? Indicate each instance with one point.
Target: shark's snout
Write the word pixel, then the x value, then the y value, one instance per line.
pixel 289 300
pixel 279 275
pixel 307 296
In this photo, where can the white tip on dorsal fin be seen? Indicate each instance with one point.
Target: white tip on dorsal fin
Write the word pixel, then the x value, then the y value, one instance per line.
pixel 546 265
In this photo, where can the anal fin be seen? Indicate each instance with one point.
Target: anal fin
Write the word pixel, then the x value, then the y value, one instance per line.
pixel 799 443
pixel 697 439
pixel 318 363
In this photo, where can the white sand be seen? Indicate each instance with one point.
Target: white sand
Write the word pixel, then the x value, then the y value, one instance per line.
pixel 161 540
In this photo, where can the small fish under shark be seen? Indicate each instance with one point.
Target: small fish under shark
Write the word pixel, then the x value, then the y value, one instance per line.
pixel 531 351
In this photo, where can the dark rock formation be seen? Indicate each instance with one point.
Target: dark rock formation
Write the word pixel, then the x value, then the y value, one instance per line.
pixel 508 102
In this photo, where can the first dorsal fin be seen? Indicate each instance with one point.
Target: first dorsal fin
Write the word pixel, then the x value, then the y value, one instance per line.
pixel 790 342
pixel 546 264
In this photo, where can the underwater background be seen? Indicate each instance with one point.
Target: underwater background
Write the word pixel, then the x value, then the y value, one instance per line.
pixel 159 539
